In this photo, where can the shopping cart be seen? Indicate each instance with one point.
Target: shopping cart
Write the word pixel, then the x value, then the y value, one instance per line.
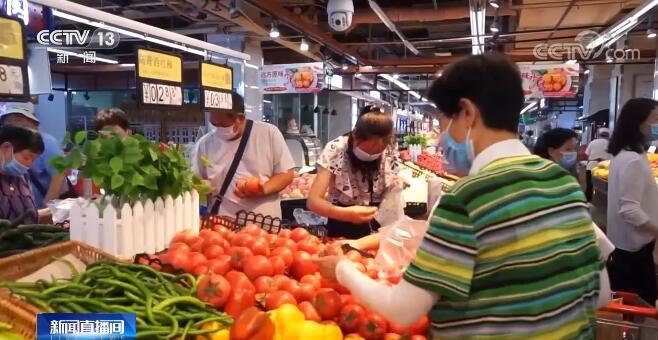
pixel 627 316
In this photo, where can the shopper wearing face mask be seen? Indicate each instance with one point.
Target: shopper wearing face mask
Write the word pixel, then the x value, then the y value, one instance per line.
pixel 19 148
pixel 633 200
pixel 510 249
pixel 265 155
pixel 559 145
pixel 355 169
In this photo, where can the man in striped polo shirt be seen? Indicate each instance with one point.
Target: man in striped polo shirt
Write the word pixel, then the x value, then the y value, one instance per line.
pixel 511 250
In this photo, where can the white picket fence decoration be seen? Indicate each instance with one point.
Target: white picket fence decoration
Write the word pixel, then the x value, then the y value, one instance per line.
pixel 144 227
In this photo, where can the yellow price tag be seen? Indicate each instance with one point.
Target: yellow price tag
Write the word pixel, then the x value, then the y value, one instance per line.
pixel 216 76
pixel 161 66
pixel 11 39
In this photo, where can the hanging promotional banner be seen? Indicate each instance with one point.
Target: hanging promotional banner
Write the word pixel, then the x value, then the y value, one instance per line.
pixel 550 81
pixel 292 78
pixel 159 79
pixel 14 84
pixel 216 87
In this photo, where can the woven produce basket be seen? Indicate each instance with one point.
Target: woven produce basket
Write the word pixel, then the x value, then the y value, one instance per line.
pixel 19 313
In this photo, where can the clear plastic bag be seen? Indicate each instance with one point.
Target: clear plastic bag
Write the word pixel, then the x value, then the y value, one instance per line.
pixel 305 217
pixel 61 209
pixel 400 235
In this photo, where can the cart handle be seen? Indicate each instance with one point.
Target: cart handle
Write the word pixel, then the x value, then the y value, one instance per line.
pixel 627 309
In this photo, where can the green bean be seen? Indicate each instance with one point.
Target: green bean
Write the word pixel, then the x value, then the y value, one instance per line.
pixel 74 272
pixel 186 329
pixel 123 285
pixel 65 286
pixel 179 299
pixel 225 320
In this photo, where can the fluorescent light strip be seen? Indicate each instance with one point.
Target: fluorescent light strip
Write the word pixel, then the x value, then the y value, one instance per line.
pixel 64 8
pixel 622 26
pixel 396 82
pixel 79 55
pixel 391 26
pixel 528 107
pixel 251 65
pixel 477 30
pixel 415 94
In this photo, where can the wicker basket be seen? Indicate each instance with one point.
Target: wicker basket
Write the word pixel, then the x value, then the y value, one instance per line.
pixel 19 313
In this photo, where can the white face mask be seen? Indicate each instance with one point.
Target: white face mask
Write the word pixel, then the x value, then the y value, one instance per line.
pixel 364 156
pixel 225 133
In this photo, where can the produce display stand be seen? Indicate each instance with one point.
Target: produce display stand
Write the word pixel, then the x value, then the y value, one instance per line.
pixel 19 313
pixel 627 316
pixel 600 202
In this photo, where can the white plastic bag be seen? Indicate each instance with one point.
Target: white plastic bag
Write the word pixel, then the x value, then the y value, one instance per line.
pixel 400 235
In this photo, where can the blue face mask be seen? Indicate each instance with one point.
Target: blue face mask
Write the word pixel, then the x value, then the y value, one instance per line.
pixel 568 159
pixel 654 132
pixel 457 157
pixel 14 168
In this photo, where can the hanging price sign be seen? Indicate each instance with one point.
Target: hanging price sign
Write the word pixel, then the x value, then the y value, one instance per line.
pixel 216 86
pixel 159 79
pixel 13 65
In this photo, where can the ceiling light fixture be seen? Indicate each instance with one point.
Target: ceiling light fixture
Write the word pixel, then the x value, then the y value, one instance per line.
pixel 477 19
pixel 396 76
pixel 274 31
pixel 119 24
pixel 651 33
pixel 395 81
pixel 494 27
pixel 608 60
pixel 233 11
pixel 494 3
pixel 391 26
pixel 586 71
pixel 571 62
pixel 528 107
pixel 344 67
pixel 303 46
pixel 624 25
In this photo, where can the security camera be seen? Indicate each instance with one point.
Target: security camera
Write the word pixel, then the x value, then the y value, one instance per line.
pixel 340 14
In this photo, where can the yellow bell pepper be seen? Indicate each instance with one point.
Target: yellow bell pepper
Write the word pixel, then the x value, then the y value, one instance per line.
pixel 222 334
pixel 283 317
pixel 311 330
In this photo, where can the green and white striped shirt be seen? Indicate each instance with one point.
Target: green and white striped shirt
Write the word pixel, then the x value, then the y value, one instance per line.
pixel 511 252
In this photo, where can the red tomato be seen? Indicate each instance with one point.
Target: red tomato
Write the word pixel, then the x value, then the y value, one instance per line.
pixel 298 234
pixel 276 299
pixel 252 229
pixel 351 317
pixel 346 299
pixel 314 280
pixel 278 265
pixel 285 253
pixel 326 283
pixel 196 259
pixel 354 256
pixel 196 244
pixel 327 303
pixel 374 327
pixel 221 265
pixel 420 327
pixel 239 300
pixel 184 237
pixel 212 251
pixel 394 279
pixel 280 281
pixel 214 289
pixel 204 233
pixel 213 237
pixel 222 230
pixel 290 286
pixel 392 336
pixel 265 284
pixel 241 239
pixel 200 270
pixel 271 238
pixel 259 246
pixel 302 265
pixel 238 256
pixel 308 246
pixel 253 185
pixel 180 260
pixel 286 242
pixel 418 337
pixel 309 311
pixel 304 292
pixel 180 246
pixel 257 266
pixel 284 233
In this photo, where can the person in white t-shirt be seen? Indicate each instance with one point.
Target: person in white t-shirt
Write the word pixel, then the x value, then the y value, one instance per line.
pixel 266 156
pixel 596 151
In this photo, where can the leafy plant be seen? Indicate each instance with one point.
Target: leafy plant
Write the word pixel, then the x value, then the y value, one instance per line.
pixel 415 139
pixel 130 168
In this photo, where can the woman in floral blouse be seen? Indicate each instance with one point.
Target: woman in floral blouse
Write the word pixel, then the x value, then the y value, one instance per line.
pixel 355 169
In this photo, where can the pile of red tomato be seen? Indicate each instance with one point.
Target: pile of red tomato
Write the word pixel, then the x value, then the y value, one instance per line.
pixel 255 268
pixel 430 162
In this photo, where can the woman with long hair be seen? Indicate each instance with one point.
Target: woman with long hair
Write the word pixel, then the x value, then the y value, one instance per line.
pixel 633 200
pixel 355 169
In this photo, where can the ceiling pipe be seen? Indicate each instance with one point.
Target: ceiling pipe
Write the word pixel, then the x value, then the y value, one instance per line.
pixel 422 15
pixel 391 26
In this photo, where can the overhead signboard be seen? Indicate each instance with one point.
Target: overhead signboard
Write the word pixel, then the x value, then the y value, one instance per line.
pixel 216 87
pixel 159 79
pixel 14 84
pixel 550 81
pixel 292 78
